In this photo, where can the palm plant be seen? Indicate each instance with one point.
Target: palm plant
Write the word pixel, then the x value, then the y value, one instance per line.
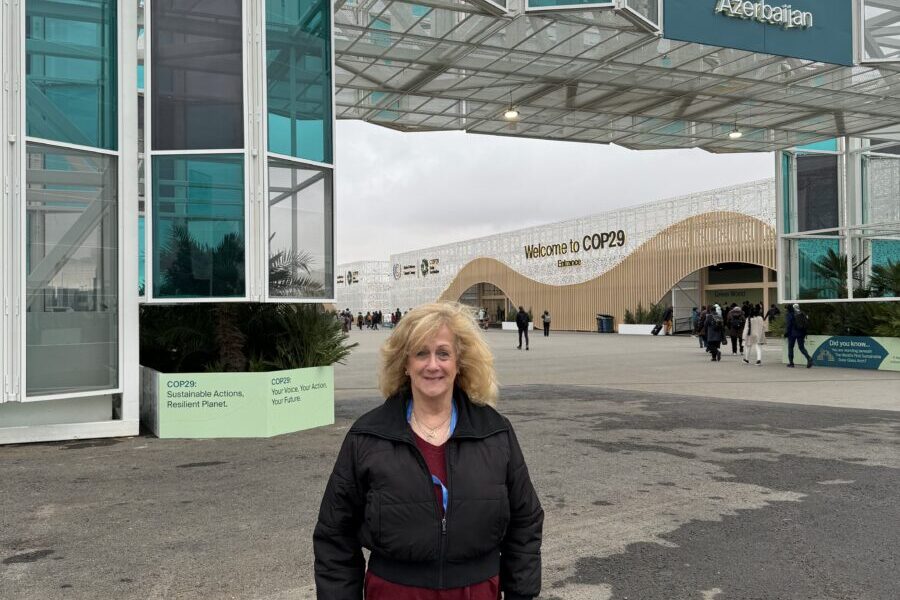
pixel 290 275
pixel 832 271
pixel 885 279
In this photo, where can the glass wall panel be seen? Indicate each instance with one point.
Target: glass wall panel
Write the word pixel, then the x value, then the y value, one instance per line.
pixel 820 268
pixel 786 186
pixel 70 55
pixel 198 226
pixel 298 61
pixel 649 9
pixel 881 30
pixel 725 273
pixel 72 301
pixel 817 192
pixel 196 75
pixel 142 260
pixel 301 248
pixel 881 189
pixel 567 3
pixel 829 145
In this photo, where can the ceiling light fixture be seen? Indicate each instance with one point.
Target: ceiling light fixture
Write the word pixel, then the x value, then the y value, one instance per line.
pixel 735 133
pixel 512 111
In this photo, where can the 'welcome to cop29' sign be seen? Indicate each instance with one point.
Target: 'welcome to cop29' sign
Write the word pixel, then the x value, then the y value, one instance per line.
pixel 819 30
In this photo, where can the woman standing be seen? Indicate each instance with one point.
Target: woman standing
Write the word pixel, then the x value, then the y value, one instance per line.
pixel 546 320
pixel 754 333
pixel 433 481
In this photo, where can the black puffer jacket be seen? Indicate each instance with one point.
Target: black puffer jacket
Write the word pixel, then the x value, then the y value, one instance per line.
pixel 380 496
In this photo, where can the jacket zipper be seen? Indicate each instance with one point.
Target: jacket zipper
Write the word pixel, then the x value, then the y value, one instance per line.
pixel 443 519
pixel 447 463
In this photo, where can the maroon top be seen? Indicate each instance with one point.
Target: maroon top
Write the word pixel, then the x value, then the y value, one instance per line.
pixel 379 589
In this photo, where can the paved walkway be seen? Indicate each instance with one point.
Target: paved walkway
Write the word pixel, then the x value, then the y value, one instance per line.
pixel 674 364
pixel 664 491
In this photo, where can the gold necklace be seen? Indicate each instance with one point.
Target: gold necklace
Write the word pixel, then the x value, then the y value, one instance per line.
pixel 430 432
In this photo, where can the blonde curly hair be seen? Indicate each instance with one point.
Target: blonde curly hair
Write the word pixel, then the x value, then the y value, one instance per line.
pixel 474 359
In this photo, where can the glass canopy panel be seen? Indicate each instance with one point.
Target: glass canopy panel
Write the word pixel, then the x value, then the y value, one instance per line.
pixel 71 88
pixel 301 222
pixel 196 75
pixel 881 30
pixel 198 226
pixel 72 297
pixel 298 67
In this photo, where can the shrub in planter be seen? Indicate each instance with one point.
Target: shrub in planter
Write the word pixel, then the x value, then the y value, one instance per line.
pixel 642 316
pixel 238 337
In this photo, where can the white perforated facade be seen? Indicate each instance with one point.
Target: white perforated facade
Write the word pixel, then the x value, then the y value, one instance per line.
pixel 364 287
pixel 421 276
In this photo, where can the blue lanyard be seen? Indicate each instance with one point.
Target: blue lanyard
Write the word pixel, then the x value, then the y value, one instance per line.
pixel 445 493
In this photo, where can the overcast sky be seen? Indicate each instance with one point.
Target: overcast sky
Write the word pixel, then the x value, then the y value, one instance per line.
pixel 397 192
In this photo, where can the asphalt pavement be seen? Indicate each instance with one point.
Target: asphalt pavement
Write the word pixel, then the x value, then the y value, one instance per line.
pixel 663 477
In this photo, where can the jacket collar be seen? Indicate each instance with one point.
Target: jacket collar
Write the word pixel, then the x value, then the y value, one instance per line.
pixel 389 420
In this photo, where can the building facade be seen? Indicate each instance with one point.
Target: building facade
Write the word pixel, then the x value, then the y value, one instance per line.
pixel 712 246
pixel 154 151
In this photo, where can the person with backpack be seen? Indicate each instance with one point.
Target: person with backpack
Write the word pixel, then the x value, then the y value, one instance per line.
pixel 796 326
pixel 715 332
pixel 736 328
pixel 701 327
pixel 546 320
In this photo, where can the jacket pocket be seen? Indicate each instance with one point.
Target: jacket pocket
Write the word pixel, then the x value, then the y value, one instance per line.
pixel 409 531
pixel 478 525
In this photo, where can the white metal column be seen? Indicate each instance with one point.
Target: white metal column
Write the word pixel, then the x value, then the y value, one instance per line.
pixel 12 130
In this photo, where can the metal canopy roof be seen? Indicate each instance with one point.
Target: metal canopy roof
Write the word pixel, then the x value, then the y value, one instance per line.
pixel 598 75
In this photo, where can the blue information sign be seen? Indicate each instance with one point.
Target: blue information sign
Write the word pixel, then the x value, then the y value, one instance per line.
pixel 819 30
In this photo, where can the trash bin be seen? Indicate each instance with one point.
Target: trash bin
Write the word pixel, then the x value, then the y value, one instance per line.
pixel 604 324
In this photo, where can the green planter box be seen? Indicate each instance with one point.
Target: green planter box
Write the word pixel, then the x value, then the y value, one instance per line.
pixel 849 352
pixel 219 405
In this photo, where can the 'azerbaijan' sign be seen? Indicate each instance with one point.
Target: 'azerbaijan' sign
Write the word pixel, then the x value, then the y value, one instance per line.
pixel 819 30
pixel 851 352
pixel 212 405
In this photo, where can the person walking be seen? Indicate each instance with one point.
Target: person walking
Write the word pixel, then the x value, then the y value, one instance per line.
pixel 736 320
pixel 772 314
pixel 667 320
pixel 701 327
pixel 715 332
pixel 753 334
pixel 433 482
pixel 796 324
pixel 545 318
pixel 522 325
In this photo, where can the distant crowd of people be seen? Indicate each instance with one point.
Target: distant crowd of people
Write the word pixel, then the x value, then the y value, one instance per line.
pixel 745 327
pixel 371 320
